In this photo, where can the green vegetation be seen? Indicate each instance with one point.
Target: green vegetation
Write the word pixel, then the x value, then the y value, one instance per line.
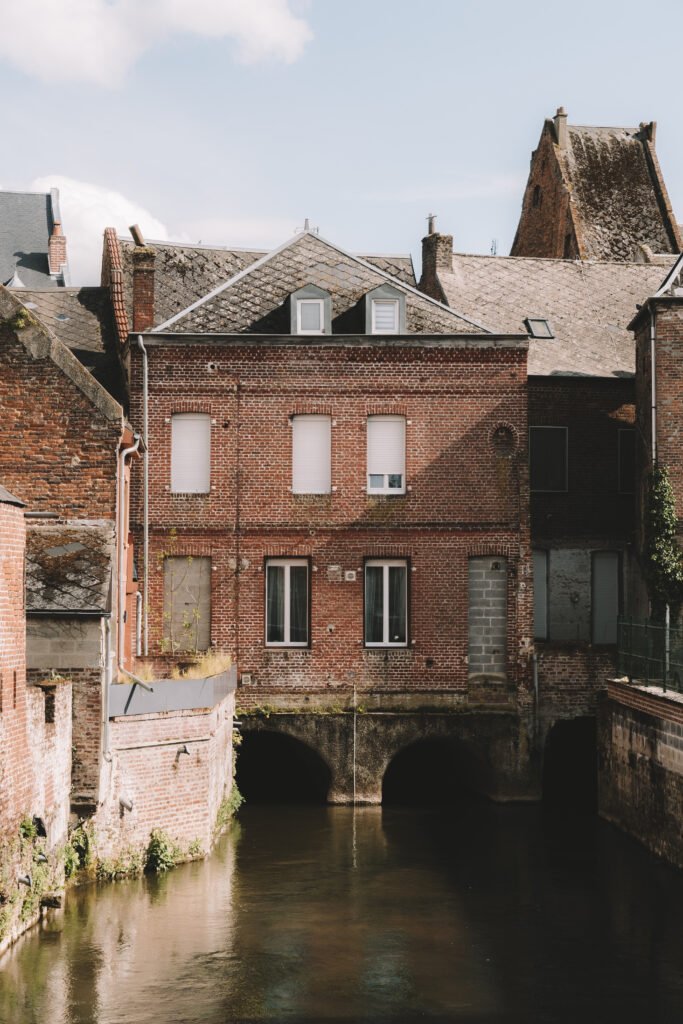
pixel 663 557
pixel 128 864
pixel 228 808
pixel 162 853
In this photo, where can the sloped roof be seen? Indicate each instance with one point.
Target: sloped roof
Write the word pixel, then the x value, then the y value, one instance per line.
pixel 589 306
pixel 184 273
pixel 26 222
pixel 82 318
pixel 254 300
pixel 6 498
pixel 69 566
pixel 616 192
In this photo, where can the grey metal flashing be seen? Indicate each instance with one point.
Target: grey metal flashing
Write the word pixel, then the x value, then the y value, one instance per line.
pixel 6 498
pixel 171 695
pixel 80 613
pixel 358 259
pixel 668 281
pixel 489 340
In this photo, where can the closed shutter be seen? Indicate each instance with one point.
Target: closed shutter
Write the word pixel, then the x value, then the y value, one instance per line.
pixel 187 603
pixel 386 445
pixel 191 453
pixel 385 316
pixel 605 596
pixel 311 447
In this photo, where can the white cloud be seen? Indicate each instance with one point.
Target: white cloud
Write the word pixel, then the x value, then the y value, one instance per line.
pixel 86 211
pixel 98 41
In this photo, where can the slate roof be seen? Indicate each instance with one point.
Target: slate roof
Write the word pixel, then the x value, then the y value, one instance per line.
pixel 6 498
pixel 255 300
pixel 589 306
pixel 26 222
pixel 69 566
pixel 82 318
pixel 185 273
pixel 616 192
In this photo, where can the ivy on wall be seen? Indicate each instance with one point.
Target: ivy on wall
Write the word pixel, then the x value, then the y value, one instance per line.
pixel 663 556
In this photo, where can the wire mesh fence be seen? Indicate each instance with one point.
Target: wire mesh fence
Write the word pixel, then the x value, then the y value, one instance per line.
pixel 650 652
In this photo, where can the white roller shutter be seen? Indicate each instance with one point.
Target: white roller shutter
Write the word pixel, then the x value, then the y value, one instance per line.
pixel 191 453
pixel 386 445
pixel 311 449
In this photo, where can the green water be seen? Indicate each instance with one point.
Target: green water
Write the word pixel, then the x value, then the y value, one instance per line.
pixel 476 913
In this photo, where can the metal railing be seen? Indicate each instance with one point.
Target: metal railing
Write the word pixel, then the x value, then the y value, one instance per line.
pixel 650 652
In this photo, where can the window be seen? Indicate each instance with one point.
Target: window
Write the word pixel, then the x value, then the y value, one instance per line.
pixel 310 316
pixel 287 602
pixel 386 603
pixel 627 461
pixel 539 328
pixel 187 604
pixel 191 453
pixel 386 455
pixel 385 317
pixel 311 451
pixel 540 564
pixel 537 196
pixel 548 458
pixel 605 596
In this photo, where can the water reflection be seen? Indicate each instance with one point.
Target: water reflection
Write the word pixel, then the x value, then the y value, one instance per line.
pixel 474 913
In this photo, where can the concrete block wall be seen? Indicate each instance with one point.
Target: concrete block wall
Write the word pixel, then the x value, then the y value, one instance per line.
pixel 487 617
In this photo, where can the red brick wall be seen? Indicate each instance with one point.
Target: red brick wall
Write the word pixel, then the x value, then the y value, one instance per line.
pixel 464 498
pixel 59 452
pixel 593 411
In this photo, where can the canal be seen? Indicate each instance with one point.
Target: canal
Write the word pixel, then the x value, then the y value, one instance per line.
pixel 471 912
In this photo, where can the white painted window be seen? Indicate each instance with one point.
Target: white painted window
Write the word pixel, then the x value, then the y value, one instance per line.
pixel 386 455
pixel 310 316
pixel 191 453
pixel 287 602
pixel 311 454
pixel 385 316
pixel 386 603
pixel 540 563
pixel 605 596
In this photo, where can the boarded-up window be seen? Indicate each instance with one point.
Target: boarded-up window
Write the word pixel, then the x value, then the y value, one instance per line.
pixel 627 461
pixel 487 649
pixel 605 603
pixel 540 560
pixel 191 453
pixel 311 447
pixel 187 604
pixel 386 454
pixel 548 458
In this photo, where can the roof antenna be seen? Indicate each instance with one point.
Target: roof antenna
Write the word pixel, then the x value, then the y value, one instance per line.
pixel 431 218
pixel 494 246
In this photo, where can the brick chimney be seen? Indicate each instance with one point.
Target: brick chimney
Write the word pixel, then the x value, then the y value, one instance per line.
pixel 437 255
pixel 56 249
pixel 143 282
pixel 560 120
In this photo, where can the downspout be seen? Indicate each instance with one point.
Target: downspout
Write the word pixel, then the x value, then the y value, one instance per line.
pixel 145 497
pixel 122 546
pixel 138 624
pixel 653 387
pixel 106 753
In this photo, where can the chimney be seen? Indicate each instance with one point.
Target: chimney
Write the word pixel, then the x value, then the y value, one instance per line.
pixel 143 282
pixel 56 249
pixel 560 120
pixel 437 255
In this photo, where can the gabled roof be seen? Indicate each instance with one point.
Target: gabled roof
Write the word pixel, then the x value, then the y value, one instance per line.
pixel 26 223
pixel 588 306
pixel 82 318
pixel 183 273
pixel 254 298
pixel 6 498
pixel 69 567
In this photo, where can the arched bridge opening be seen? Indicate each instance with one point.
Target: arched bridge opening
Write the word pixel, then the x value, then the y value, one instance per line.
pixel 431 772
pixel 273 767
pixel 570 766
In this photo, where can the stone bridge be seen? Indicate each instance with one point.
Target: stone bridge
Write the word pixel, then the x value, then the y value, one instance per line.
pixel 489 752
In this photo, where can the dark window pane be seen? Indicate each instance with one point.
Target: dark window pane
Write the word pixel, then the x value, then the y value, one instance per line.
pixel 298 604
pixel 275 604
pixel 548 458
pixel 395 480
pixel 627 461
pixel 374 601
pixel 397 604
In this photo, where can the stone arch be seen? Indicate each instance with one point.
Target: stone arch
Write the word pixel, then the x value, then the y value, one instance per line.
pixel 433 769
pixel 274 766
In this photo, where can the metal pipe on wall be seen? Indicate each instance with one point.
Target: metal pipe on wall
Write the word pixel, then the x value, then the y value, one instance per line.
pixel 145 496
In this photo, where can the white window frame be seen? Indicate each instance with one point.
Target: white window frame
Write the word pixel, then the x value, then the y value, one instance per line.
pixel 320 303
pixel 287 563
pixel 311 417
pixel 397 315
pixel 386 564
pixel 176 418
pixel 385 489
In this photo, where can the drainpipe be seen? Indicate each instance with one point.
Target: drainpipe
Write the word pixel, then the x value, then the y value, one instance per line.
pixel 106 753
pixel 653 383
pixel 145 496
pixel 122 546
pixel 138 624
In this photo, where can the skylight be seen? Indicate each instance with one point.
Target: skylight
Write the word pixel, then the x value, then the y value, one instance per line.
pixel 538 328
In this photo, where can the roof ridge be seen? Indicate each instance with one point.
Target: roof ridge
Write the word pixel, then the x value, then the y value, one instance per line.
pixel 558 262
pixel 291 241
pixel 194 245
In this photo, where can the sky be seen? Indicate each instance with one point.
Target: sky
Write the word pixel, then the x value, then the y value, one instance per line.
pixel 231 121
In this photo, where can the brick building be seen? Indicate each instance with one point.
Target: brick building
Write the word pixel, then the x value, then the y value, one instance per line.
pixel 32 243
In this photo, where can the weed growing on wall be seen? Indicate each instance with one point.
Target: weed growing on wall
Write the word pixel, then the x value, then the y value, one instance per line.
pixel 663 557
pixel 162 853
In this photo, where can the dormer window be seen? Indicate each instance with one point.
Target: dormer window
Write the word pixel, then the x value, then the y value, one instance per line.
pixel 311 311
pixel 384 316
pixel 538 328
pixel 310 316
pixel 385 311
